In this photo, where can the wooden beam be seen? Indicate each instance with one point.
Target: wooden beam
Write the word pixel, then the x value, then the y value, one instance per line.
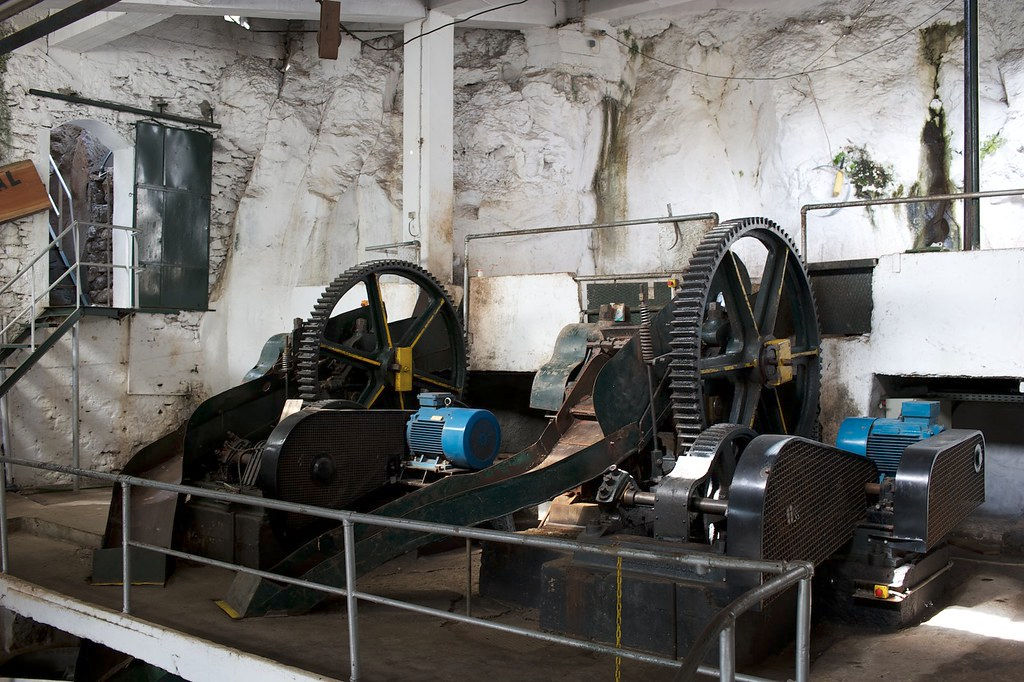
pixel 328 38
pixel 46 26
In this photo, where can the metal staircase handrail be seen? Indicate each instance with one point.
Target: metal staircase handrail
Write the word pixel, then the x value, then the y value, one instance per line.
pixel 31 264
pixel 65 199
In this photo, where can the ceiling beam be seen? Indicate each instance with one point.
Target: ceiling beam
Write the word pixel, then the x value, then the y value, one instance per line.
pixel 612 10
pixel 102 28
pixel 530 13
pixel 391 12
pixel 43 27
pixel 12 7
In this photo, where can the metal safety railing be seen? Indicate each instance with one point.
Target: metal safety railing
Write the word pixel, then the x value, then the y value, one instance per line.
pixel 722 627
pixel 16 322
pixel 829 205
pixel 638 222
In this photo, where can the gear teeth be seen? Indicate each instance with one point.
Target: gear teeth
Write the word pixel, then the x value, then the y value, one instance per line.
pixel 688 317
pixel 310 333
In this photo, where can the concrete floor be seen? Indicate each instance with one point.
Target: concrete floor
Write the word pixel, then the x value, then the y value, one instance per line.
pixel 979 636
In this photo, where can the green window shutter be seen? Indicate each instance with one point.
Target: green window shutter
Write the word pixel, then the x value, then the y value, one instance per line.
pixel 172 212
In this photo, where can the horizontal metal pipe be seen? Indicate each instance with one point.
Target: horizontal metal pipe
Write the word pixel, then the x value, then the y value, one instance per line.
pixel 393 245
pixel 108 226
pixel 447 615
pixel 660 220
pixel 126 108
pixel 686 557
pixel 630 276
pixel 806 208
pixel 657 220
pixel 545 636
pixel 276 577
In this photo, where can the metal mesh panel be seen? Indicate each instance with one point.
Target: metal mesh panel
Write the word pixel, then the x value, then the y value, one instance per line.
pixel 813 500
pixel 955 490
pixel 360 443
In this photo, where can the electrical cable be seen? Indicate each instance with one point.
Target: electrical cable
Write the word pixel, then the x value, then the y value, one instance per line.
pixel 366 43
pixel 352 32
pixel 636 50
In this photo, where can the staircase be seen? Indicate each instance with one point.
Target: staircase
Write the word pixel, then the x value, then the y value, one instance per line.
pixel 38 316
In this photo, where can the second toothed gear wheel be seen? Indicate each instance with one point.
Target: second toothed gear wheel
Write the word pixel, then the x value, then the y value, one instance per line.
pixel 366 354
pixel 744 353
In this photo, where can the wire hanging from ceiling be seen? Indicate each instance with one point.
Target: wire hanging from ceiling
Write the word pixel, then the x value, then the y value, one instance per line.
pixel 635 50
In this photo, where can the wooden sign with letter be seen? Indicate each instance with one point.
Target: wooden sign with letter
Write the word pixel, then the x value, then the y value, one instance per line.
pixel 21 191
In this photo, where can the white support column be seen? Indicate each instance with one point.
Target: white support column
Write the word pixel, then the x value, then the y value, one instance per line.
pixel 427 191
pixel 124 280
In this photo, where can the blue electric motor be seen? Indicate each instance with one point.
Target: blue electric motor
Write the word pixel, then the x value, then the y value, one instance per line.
pixel 467 438
pixel 884 440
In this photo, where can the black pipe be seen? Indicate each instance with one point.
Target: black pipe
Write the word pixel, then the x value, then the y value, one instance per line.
pixel 58 20
pixel 127 108
pixel 972 145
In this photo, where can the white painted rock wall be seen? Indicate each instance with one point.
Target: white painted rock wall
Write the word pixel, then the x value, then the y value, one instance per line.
pixel 552 126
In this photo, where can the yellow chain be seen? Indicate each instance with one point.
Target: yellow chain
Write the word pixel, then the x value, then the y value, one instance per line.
pixel 618 616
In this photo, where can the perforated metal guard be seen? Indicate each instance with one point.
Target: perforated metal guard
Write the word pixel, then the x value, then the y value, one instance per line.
pixel 795 499
pixel 360 443
pixel 938 486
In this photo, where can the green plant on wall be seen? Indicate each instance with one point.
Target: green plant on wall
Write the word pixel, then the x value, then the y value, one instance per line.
pixel 992 144
pixel 870 179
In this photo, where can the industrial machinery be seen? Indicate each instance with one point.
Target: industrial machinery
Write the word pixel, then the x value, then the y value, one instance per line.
pixel 930 478
pixel 691 427
pixel 379 334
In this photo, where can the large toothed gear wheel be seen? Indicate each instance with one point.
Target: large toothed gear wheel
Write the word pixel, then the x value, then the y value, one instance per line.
pixel 744 353
pixel 380 333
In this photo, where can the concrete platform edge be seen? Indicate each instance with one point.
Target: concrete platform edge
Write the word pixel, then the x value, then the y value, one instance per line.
pixel 190 657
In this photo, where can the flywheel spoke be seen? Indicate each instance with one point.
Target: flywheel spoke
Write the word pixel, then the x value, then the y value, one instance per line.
pixel 724 364
pixel 415 331
pixel 745 400
pixel 770 293
pixel 371 393
pixel 433 381
pixel 777 406
pixel 348 355
pixel 738 298
pixel 378 311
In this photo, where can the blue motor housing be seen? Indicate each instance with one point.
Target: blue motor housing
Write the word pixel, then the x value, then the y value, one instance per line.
pixel 467 438
pixel 884 440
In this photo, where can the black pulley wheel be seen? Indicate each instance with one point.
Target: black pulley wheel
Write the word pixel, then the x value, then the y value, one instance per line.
pixel 380 333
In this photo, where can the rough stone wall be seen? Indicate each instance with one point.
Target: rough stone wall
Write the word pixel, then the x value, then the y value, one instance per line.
pixel 551 126
pixel 546 136
pixel 187 61
pixel 325 183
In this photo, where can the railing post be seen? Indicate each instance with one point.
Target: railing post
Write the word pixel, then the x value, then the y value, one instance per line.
pixel 126 520
pixel 5 423
pixel 727 652
pixel 469 577
pixel 32 316
pixel 77 266
pixel 803 630
pixel 350 598
pixel 75 404
pixel 4 551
